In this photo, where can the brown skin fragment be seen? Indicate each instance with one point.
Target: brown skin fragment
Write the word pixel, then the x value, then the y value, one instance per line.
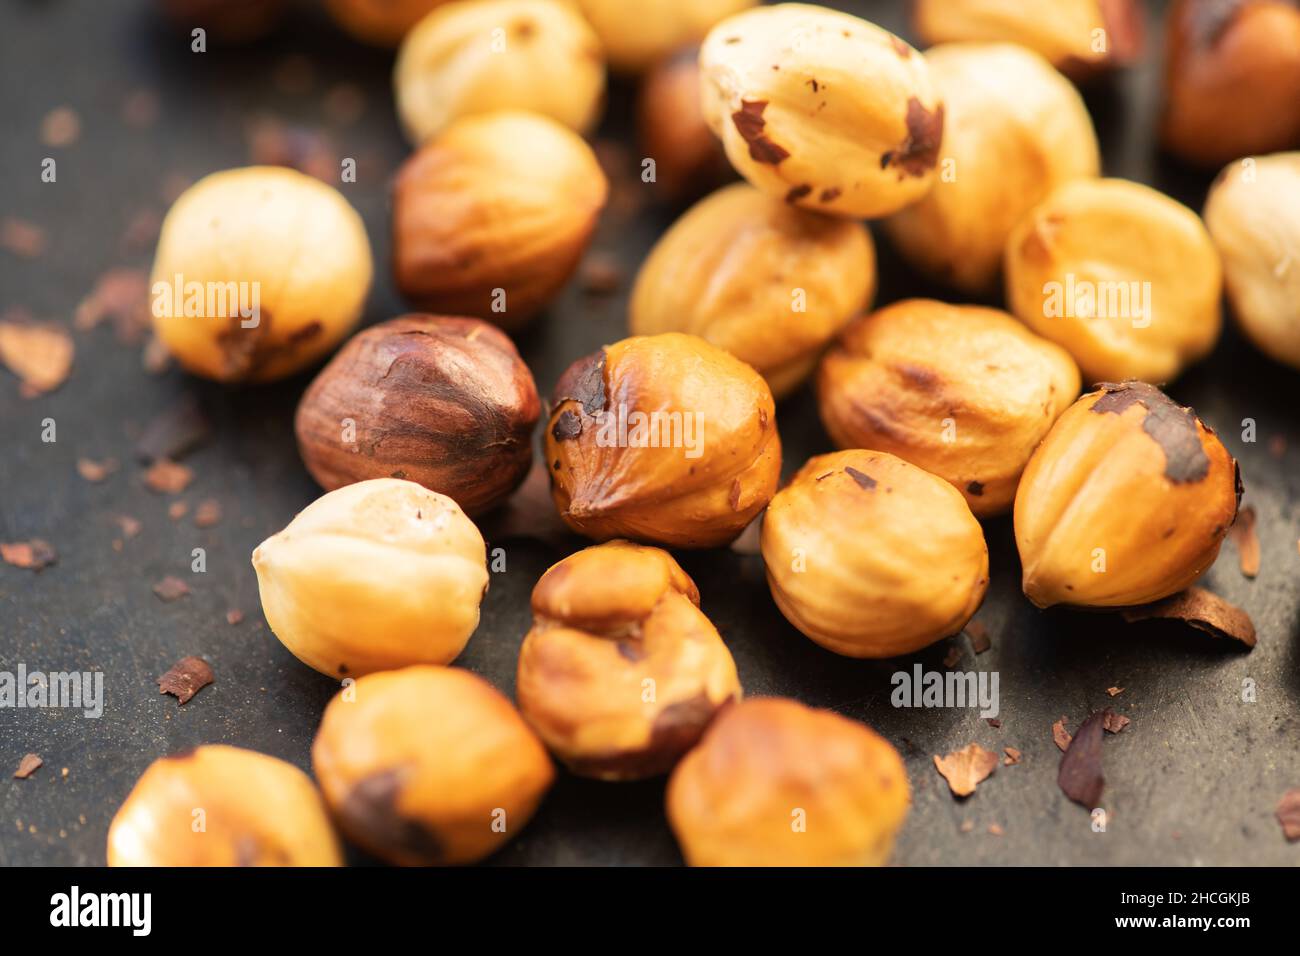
pixel 371 808
pixel 1080 776
pixel 96 471
pixel 1114 723
pixel 32 555
pixel 22 238
pixel 964 769
pixel 1288 814
pixel 171 589
pixel 979 637
pixel 175 433
pixel 234 616
pixel 953 657
pixel 1060 735
pixel 1012 756
pixel 40 354
pixel 1172 426
pixel 1114 691
pixel 28 766
pixel 749 123
pixel 567 426
pixel 208 513
pixel 864 481
pixel 1202 610
pixel 166 477
pixel 797 192
pixel 584 383
pixel 919 153
pixel 186 678
pixel 1247 542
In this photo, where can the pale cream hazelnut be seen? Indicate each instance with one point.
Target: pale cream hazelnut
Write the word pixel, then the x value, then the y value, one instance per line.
pixel 637 34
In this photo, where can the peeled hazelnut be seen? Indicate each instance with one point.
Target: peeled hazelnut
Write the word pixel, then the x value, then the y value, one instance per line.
pixel 621 671
pixel 688 158
pixel 662 438
pixel 255 810
pixel 635 35
pixel 466 58
pixel 1124 277
pixel 1014 130
pixel 870 556
pixel 1253 214
pixel 259 273
pixel 445 402
pixel 964 392
pixel 428 765
pixel 376 575
pixel 768 283
pixel 822 109
pixel 775 783
pixel 381 22
pixel 1126 501
pixel 491 218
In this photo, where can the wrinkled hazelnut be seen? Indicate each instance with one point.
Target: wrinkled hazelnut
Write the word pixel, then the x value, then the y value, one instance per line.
pixel 256 811
pixel 381 22
pixel 964 392
pixel 621 671
pixel 428 765
pixel 1126 501
pixel 688 158
pixel 870 556
pixel 491 218
pixel 375 575
pixel 466 58
pixel 636 35
pixel 822 109
pixel 664 439
pixel 1125 278
pixel 445 402
pixel 775 783
pixel 768 283
pixel 1014 130
pixel 259 273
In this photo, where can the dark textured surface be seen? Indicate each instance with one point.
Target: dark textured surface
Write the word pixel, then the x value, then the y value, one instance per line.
pixel 1194 779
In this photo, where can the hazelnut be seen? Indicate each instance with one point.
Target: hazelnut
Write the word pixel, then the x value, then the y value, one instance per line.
pixel 466 58
pixel 1014 130
pixel 621 671
pixel 1232 79
pixel 1253 214
pixel 662 438
pixel 775 783
pixel 1124 277
pixel 1126 501
pixel 375 575
pixel 229 21
pixel 768 283
pixel 870 556
pixel 428 765
pixel 688 158
pixel 964 392
pixel 822 109
pixel 636 35
pixel 491 218
pixel 446 402
pixel 255 810
pixel 381 22
pixel 259 273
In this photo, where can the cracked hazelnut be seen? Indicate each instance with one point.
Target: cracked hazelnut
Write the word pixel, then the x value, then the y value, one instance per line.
pixel 822 109
pixel 689 160
pixel 222 806
pixel 375 575
pixel 491 218
pixel 621 671
pixel 870 556
pixel 446 402
pixel 428 765
pixel 664 439
pixel 381 22
pixel 775 783
pixel 636 35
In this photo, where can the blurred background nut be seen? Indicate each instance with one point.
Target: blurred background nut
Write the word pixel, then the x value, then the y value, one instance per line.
pixel 446 402
pixel 964 392
pixel 621 671
pixel 870 556
pixel 229 21
pixel 429 765
pixel 259 273
pixel 1126 501
pixel 378 574
pixel 636 35
pixel 768 283
pixel 689 160
pixel 1125 278
pixel 381 22
pixel 770 764
pixel 664 439
pixel 822 109
pixel 476 57
pixel 256 811
pixel 1014 129
pixel 491 218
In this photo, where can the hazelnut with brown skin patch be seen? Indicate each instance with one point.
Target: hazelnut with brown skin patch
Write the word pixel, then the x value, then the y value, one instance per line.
pixel 688 158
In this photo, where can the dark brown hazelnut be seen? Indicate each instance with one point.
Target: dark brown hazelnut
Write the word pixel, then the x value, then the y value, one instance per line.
pixel 689 160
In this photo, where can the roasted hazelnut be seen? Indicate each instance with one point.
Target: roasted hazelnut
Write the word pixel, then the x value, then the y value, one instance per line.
pixel 222 806
pixel 1014 130
pixel 445 402
pixel 1253 214
pixel 491 218
pixel 428 765
pixel 688 158
pixel 768 283
pixel 775 783
pixel 1126 501
pixel 466 58
pixel 381 22
pixel 822 109
pixel 636 35
pixel 375 575
pixel 964 392
pixel 259 273
pixel 870 556
pixel 1124 277
pixel 664 439
pixel 621 671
